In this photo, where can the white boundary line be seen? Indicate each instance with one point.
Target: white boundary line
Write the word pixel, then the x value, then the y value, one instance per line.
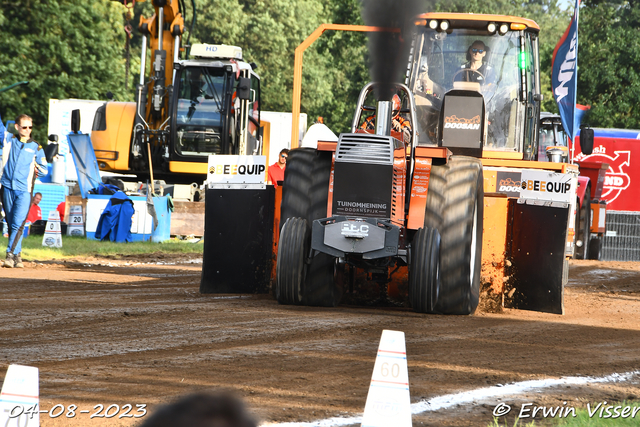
pixel 449 400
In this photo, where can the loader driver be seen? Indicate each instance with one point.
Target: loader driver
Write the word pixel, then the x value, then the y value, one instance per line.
pixel 475 69
pixel 398 123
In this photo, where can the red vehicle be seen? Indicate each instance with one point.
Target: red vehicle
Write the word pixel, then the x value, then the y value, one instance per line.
pixel 620 149
pixel 591 203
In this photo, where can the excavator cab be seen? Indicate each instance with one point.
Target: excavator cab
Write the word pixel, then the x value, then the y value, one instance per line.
pixel 200 108
pixel 205 114
pixel 213 108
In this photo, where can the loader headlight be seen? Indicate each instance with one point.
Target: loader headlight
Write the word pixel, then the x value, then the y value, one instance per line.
pixel 433 24
pixel 444 25
pixel 491 27
pixel 503 29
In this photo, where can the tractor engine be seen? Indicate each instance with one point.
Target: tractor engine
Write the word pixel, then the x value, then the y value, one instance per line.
pixel 367 201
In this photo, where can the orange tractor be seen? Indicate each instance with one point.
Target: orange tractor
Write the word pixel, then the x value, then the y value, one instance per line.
pixel 461 212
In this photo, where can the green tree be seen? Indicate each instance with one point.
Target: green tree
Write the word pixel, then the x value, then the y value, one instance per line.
pixel 269 31
pixel 347 56
pixel 608 58
pixel 64 48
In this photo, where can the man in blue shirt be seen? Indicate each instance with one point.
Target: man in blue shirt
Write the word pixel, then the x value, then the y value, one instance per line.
pixel 22 157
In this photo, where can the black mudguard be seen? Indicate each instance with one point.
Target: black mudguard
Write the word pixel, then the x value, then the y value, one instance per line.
pixel 538 236
pixel 238 239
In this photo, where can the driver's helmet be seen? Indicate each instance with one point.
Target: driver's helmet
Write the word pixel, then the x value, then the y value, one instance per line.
pixel 397 105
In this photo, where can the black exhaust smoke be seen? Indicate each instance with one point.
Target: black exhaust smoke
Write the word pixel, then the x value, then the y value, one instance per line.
pixel 389 50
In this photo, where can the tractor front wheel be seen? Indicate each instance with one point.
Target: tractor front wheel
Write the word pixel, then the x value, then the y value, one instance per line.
pixel 305 194
pixel 424 273
pixel 291 268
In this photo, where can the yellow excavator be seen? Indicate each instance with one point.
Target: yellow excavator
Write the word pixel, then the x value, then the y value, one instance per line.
pixel 185 109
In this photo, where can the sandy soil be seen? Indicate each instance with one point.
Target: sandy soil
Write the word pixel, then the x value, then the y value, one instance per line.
pixel 137 331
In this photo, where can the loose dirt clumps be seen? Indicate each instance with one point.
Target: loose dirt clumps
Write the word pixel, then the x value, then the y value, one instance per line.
pixel 136 330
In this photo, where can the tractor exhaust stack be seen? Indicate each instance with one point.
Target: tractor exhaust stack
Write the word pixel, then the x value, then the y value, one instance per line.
pixel 383 118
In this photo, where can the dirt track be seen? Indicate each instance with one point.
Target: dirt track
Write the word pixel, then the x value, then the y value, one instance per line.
pixel 105 331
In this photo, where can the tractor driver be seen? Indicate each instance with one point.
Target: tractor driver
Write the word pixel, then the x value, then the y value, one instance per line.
pixel 398 123
pixel 475 69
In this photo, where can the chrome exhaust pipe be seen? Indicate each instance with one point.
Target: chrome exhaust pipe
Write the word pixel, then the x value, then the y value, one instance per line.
pixel 383 118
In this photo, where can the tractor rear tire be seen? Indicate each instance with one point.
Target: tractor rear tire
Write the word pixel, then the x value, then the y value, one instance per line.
pixel 296 185
pixel 455 207
pixel 305 194
pixel 583 225
pixel 424 280
pixel 291 268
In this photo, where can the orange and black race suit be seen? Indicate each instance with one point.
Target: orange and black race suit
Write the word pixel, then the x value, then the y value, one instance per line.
pixel 398 123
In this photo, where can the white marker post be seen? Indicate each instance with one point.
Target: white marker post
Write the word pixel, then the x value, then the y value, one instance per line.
pixel 389 402
pixel 52 232
pixel 19 397
pixel 76 221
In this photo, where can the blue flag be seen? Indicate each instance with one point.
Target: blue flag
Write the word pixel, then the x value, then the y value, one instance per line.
pixel 564 76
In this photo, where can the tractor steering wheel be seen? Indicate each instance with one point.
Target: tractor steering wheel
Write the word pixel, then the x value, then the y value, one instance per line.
pixel 468 70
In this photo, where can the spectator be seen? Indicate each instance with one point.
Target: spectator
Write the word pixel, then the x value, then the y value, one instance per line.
pixel 61 209
pixel 276 170
pixel 35 213
pixel 24 158
pixel 203 410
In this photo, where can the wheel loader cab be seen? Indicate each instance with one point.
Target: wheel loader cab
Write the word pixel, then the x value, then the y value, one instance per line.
pixel 441 65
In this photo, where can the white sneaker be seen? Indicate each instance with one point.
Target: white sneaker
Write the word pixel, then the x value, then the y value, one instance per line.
pixel 9 261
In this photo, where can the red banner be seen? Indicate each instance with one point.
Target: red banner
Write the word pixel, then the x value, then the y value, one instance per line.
pixel 621 150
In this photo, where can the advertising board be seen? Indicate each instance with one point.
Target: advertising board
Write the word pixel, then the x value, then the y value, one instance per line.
pixel 620 148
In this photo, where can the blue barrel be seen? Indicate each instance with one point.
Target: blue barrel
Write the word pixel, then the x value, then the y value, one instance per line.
pixel 163 231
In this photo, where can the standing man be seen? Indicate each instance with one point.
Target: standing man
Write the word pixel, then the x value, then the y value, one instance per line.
pixel 23 157
pixel 276 170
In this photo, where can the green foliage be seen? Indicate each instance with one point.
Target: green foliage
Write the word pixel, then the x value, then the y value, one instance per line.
pixel 269 31
pixel 516 423
pixel 610 419
pixel 608 58
pixel 75 49
pixel 347 57
pixel 64 48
